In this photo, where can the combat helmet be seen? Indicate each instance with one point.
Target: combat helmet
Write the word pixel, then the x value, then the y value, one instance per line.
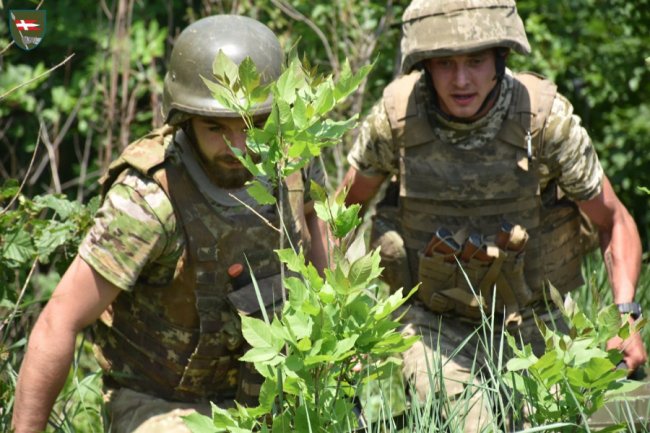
pixel 435 28
pixel 194 51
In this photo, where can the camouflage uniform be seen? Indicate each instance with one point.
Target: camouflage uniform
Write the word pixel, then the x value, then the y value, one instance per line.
pixel 565 158
pixel 174 334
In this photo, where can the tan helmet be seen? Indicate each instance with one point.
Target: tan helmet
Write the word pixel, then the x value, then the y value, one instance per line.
pixel 185 94
pixel 435 28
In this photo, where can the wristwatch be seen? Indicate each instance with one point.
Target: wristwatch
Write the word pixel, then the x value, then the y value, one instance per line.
pixel 633 308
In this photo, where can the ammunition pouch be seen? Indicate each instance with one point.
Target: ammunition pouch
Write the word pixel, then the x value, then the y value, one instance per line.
pixel 468 288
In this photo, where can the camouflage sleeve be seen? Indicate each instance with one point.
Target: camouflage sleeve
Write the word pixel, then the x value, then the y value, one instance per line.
pixel 134 226
pixel 568 154
pixel 373 152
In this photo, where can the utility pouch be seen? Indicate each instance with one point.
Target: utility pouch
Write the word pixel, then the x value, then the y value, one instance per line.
pixel 513 279
pixel 245 300
pixel 436 273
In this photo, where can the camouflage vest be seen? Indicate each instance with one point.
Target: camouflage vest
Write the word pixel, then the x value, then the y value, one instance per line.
pixel 182 341
pixel 475 192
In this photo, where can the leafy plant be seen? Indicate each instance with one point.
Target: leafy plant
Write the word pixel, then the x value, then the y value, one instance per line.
pixel 38 233
pixel 574 377
pixel 329 324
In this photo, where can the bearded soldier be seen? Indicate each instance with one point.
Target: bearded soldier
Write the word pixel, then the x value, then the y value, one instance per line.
pixel 154 267
pixel 493 171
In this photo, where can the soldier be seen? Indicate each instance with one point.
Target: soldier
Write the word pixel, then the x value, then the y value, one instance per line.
pixel 154 267
pixel 493 168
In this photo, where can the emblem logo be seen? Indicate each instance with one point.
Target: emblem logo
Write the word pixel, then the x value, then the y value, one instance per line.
pixel 27 27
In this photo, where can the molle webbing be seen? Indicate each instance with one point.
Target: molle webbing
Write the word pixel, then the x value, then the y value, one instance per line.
pixel 182 341
pixel 442 185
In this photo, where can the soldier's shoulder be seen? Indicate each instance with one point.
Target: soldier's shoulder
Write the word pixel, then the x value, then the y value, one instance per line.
pixel 140 193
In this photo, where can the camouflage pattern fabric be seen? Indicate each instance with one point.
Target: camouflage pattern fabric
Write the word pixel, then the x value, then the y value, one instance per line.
pixel 566 156
pixel 135 235
pixel 130 411
pixel 449 27
pixel 139 244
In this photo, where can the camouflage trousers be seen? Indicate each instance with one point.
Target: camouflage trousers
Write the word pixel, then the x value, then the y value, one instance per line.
pixel 453 356
pixel 130 411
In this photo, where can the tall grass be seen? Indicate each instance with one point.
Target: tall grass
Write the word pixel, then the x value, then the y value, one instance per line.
pixel 79 407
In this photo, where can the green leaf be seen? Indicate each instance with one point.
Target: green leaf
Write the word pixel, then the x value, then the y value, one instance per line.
pixel 63 207
pixel 262 354
pixel 294 261
pixel 346 221
pixel 317 192
pixel 223 96
pixel 52 236
pixel 224 69
pixel 260 193
pixel 290 80
pixel 17 246
pixel 609 323
pixel 248 75
pixel 198 423
pixel 324 98
pixel 365 269
pixel 348 82
pixel 297 291
pixel 300 324
pixel 332 130
pixel 9 189
pixel 258 334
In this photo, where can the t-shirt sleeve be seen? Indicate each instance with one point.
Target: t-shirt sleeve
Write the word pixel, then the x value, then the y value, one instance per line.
pixel 133 227
pixel 569 155
pixel 373 152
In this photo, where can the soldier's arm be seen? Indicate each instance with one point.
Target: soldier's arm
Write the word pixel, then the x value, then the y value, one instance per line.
pixel 361 188
pixel 78 300
pixel 621 249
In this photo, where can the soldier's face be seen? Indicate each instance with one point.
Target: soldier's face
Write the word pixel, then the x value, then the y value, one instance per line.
pixel 463 82
pixel 212 138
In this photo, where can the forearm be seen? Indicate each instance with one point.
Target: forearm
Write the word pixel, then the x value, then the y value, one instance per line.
pixel 42 375
pixel 621 248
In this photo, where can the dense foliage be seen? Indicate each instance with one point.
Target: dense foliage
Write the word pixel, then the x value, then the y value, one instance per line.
pixel 95 83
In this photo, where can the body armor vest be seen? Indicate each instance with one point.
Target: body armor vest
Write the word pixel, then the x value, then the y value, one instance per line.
pixel 467 192
pixel 181 341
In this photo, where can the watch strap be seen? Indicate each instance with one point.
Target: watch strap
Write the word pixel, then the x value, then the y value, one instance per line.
pixel 633 308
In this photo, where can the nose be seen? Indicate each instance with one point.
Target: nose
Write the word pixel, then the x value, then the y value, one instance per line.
pixel 238 140
pixel 461 75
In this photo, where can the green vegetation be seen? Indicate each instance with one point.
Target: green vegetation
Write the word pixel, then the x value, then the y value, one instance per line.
pixel 61 126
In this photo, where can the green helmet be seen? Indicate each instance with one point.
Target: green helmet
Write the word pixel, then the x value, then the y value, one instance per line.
pixel 185 94
pixel 436 28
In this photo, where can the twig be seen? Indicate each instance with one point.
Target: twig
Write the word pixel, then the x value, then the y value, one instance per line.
pixel 266 221
pixel 29 168
pixel 4 95
pixel 20 297
pixel 51 153
pixel 296 15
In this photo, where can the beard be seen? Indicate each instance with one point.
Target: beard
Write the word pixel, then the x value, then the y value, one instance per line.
pixel 224 172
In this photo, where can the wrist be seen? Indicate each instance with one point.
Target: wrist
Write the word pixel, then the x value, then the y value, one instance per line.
pixel 631 308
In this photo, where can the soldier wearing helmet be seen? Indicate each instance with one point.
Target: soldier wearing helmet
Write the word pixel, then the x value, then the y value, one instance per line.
pixel 492 173
pixel 157 267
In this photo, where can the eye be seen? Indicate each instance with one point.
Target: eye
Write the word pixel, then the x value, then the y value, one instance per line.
pixel 215 128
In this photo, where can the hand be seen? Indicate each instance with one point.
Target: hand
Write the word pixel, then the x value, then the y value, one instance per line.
pixel 634 352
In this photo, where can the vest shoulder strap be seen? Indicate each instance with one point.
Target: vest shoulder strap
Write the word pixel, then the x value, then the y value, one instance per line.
pixel 400 99
pixel 142 155
pixel 539 99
